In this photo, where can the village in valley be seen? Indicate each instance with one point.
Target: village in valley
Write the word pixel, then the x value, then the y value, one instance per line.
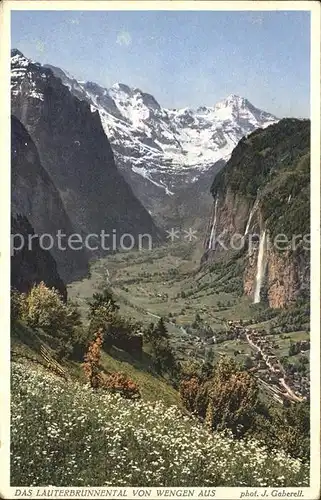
pixel 276 377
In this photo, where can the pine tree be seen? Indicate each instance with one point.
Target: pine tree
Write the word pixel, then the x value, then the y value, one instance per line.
pixel 100 299
pixel 160 330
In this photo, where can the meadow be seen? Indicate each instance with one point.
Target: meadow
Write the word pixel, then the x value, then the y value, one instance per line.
pixel 95 438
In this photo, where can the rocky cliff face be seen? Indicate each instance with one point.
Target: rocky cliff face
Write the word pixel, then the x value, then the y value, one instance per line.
pixel 286 277
pixel 75 152
pixel 31 266
pixel 261 211
pixel 34 196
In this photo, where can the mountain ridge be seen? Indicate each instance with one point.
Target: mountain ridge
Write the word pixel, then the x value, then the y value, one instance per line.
pixel 169 130
pixel 167 155
pixel 76 153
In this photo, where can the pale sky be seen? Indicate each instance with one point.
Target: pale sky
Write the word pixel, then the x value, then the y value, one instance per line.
pixel 184 59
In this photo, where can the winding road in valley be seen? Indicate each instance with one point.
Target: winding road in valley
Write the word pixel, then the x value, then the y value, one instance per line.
pixel 289 392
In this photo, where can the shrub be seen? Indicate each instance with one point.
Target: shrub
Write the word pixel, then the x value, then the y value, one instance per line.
pixel 18 305
pixel 291 428
pixel 188 391
pixel 120 383
pixel 228 400
pixel 44 308
pixel 287 428
pixel 233 402
pixel 190 369
pixel 114 382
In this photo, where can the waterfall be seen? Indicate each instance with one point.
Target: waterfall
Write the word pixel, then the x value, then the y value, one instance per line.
pixel 248 222
pixel 208 228
pixel 212 235
pixel 250 218
pixel 260 269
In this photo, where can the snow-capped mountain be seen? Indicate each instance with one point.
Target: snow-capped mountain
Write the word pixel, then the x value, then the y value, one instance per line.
pixel 167 146
pixel 77 157
pixel 161 151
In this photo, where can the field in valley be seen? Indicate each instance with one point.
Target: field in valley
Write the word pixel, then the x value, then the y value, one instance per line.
pixel 168 282
pixel 165 282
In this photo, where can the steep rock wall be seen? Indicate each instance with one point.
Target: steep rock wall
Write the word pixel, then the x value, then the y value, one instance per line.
pixel 76 154
pixel 34 196
pixel 31 266
pixel 265 188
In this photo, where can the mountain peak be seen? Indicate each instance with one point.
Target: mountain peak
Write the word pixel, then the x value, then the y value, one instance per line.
pixel 18 59
pixel 233 100
pixel 16 52
pixel 234 97
pixel 121 86
pixel 239 109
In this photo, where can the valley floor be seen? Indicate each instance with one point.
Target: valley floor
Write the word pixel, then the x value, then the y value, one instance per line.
pixel 168 282
pixel 165 282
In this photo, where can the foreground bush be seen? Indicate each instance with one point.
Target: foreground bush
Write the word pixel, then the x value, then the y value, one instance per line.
pixel 228 399
pixel 188 391
pixel 18 305
pixel 68 434
pixel 114 382
pixel 44 308
pixel 92 359
pixel 120 383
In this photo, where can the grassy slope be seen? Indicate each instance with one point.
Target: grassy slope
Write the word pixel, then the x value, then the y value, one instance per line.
pixel 94 438
pixel 25 343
